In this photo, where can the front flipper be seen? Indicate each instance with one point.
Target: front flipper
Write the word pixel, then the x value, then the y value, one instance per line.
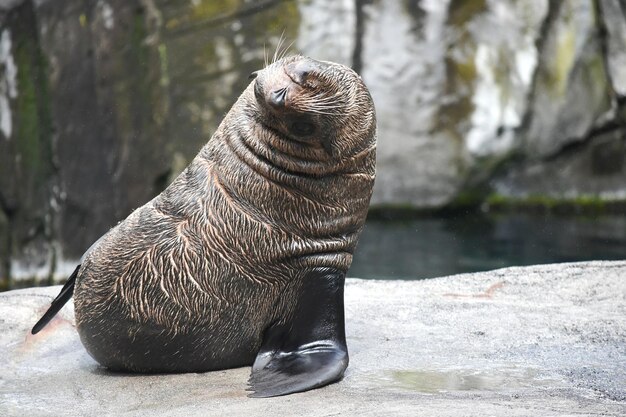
pixel 309 349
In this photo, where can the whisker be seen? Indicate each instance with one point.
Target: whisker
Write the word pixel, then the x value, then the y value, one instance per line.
pixel 326 113
pixel 322 104
pixel 319 105
pixel 286 50
pixel 278 46
pixel 320 98
pixel 322 111
pixel 336 111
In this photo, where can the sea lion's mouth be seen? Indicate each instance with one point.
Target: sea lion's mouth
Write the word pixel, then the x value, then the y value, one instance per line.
pixel 280 135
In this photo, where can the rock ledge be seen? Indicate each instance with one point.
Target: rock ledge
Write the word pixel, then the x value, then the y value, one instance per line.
pixel 541 340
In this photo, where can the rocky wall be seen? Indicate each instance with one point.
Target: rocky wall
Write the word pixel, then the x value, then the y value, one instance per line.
pixel 104 102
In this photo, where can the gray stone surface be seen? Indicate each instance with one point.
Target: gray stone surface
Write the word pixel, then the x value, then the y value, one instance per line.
pixel 589 167
pixel 571 90
pixel 535 341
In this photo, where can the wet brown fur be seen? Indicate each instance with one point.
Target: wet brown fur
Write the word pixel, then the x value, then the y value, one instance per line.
pixel 190 280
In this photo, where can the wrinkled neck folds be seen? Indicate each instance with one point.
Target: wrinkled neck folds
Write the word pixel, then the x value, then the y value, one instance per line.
pixel 299 146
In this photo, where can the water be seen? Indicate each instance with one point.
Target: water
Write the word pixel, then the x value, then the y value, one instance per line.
pixel 439 246
pixel 500 379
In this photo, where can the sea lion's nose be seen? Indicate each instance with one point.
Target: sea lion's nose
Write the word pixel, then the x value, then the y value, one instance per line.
pixel 277 97
pixel 299 71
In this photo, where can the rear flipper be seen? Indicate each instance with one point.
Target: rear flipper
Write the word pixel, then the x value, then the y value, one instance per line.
pixel 309 350
pixel 58 302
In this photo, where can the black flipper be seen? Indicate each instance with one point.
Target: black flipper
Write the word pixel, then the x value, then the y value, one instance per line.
pixel 308 351
pixel 58 302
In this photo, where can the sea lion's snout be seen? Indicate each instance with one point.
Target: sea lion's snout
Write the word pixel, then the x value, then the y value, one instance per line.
pixel 280 85
pixel 278 98
pixel 276 90
pixel 271 90
pixel 315 105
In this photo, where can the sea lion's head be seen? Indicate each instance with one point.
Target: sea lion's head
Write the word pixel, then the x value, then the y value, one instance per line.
pixel 297 154
pixel 319 110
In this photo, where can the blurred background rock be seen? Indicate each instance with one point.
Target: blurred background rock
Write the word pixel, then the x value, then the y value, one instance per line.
pixel 481 104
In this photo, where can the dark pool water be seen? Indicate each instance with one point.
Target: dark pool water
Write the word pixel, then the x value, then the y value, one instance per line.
pixel 438 246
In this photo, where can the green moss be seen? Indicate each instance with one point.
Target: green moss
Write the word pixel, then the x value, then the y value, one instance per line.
pixel 31 168
pixel 395 212
pixel 172 23
pixel 133 88
pixel 563 61
pixel 561 58
pixel 164 81
pixel 33 119
pixel 141 53
pixel 399 212
pixel 30 281
pixel 468 198
pixel 595 78
pixel 282 18
pixel 207 9
pixel 466 71
pixel 597 71
pixel 460 84
pixel 462 11
pixel 502 70
pixel 584 204
pixel 27 111
pixel 461 72
pixel 209 56
pixel 473 200
pixel 25 283
pixel 590 201
pixel 393 206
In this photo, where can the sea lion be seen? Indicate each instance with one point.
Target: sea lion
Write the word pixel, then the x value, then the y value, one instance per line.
pixel 242 259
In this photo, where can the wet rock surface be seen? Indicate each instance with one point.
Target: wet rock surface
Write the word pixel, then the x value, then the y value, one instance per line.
pixel 541 340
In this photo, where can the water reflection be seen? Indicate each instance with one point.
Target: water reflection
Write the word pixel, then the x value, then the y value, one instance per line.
pixel 437 246
pixel 434 381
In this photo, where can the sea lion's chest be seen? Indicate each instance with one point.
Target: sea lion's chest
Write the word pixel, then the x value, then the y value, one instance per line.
pixel 264 222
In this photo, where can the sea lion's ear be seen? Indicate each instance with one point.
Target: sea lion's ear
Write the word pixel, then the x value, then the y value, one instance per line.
pixel 308 351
